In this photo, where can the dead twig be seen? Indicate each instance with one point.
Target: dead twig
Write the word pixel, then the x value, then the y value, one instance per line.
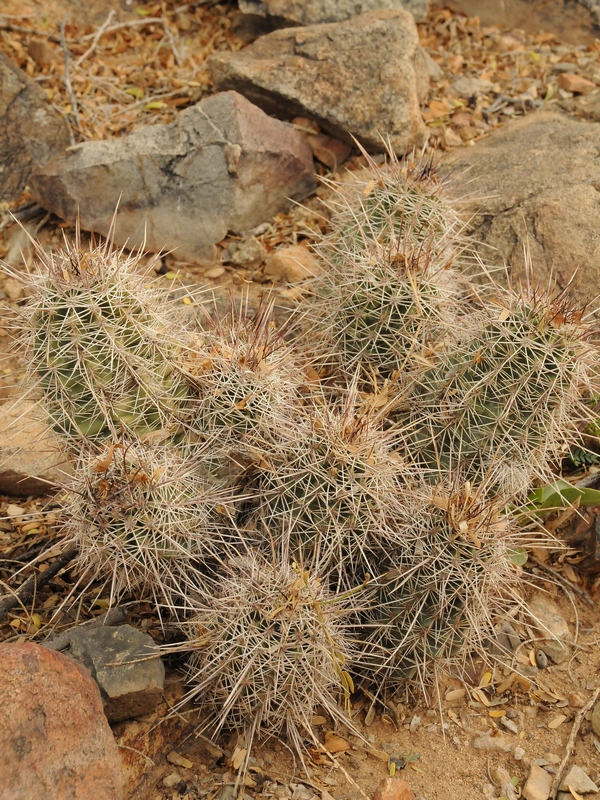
pixel 62 640
pixel 561 579
pixel 36 581
pixel 97 36
pixel 571 741
pixel 74 109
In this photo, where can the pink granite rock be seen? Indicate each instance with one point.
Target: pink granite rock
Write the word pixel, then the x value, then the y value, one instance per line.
pixel 55 741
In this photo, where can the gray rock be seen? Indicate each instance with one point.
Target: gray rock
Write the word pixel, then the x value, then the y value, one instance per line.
pixel 578 780
pixel 125 664
pixel 536 183
pixel 31 131
pixel 577 22
pixel 538 784
pixel 222 165
pixel 545 613
pixel 30 459
pixel 557 652
pixel 364 77
pixel 312 12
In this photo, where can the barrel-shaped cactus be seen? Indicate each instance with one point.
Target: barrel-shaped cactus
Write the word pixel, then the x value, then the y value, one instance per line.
pixel 330 489
pixel 506 399
pixel 442 586
pixel 140 516
pixel 103 348
pixel 246 382
pixel 267 649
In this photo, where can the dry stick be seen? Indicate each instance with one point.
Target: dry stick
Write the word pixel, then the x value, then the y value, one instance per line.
pixel 62 640
pixel 74 109
pixel 561 578
pixel 36 581
pixel 97 36
pixel 135 23
pixel 571 742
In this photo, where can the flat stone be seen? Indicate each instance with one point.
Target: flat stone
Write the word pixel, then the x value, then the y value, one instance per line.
pixel 30 459
pixel 55 741
pixel 125 664
pixel 596 719
pixel 393 789
pixel 31 131
pixel 534 185
pixel 493 744
pixel 313 12
pixel 546 614
pixel 223 165
pixel 576 84
pixel 558 652
pixel 538 784
pixel 579 781
pixel 364 77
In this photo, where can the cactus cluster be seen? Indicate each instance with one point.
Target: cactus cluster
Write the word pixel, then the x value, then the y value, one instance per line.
pixel 303 531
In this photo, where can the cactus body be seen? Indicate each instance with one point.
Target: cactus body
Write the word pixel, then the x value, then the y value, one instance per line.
pixel 139 515
pixel 506 399
pixel 331 491
pixel 246 380
pixel 440 588
pixel 103 352
pixel 268 649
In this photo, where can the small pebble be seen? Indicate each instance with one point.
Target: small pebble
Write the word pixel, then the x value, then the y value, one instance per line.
pixel 541 659
pixel 393 789
pixel 415 724
pixel 509 724
pixel 518 753
pixel 215 272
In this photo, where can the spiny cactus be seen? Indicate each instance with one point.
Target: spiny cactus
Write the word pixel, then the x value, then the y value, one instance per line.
pixel 440 588
pixel 330 489
pixel 384 308
pixel 398 201
pixel 102 349
pixel 506 398
pixel 246 378
pixel 267 650
pixel 139 515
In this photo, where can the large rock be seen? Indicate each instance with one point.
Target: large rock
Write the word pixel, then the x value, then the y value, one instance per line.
pixel 55 741
pixel 364 77
pixel 31 132
pixel 125 664
pixel 312 12
pixel 577 22
pixel 222 165
pixel 30 461
pixel 535 184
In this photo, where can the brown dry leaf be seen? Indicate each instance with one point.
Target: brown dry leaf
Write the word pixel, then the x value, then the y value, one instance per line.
pixel 335 743
pixel 180 761
pixel 481 697
pixel 237 759
pixel 554 723
pixel 455 694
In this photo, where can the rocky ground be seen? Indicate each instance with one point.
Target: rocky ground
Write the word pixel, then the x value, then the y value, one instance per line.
pixel 512 104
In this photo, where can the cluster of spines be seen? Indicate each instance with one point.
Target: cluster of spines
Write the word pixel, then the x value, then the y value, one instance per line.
pixel 268 648
pixel 102 350
pixel 507 399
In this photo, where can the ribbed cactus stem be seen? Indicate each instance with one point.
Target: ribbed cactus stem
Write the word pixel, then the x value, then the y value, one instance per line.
pixel 103 348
